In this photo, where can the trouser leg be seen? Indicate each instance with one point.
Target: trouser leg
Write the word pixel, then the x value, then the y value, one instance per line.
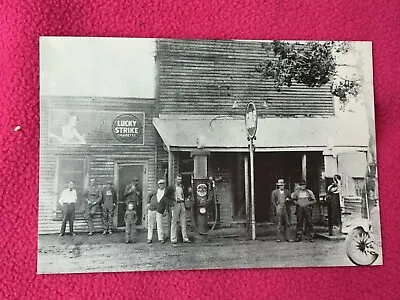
pixel 64 219
pixel 132 232
pixel 183 221
pixel 309 224
pixel 127 231
pixel 159 226
pixel 278 224
pixel 105 219
pixel 285 221
pixel 110 218
pixel 92 214
pixel 71 217
pixel 300 222
pixel 150 224
pixel 174 222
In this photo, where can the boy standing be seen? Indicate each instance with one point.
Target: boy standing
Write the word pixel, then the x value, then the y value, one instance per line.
pixel 130 223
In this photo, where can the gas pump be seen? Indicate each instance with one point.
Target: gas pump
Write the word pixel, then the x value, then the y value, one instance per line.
pixel 200 190
pixel 200 213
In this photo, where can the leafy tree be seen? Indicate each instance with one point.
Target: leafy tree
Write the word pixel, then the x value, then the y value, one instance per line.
pixel 310 63
pixel 314 64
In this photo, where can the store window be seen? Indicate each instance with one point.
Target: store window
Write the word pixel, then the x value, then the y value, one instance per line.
pixel 71 169
pixel 359 187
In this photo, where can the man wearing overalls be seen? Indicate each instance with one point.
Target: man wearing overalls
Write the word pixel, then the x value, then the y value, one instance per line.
pixel 304 199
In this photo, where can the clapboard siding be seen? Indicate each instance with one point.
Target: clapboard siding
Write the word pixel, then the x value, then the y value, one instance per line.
pixel 101 158
pixel 206 77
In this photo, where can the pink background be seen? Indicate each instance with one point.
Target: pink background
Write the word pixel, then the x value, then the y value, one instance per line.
pixel 22 22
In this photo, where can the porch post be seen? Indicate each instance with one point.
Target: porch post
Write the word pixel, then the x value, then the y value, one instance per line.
pixel 170 182
pixel 170 167
pixel 304 167
pixel 246 192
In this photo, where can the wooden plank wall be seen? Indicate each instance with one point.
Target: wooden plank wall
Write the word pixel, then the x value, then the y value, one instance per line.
pixel 101 157
pixel 206 77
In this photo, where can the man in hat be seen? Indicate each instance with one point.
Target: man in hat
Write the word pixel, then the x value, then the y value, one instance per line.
pixel 157 204
pixel 333 204
pixel 93 197
pixel 280 198
pixel 304 199
pixel 108 205
pixel 132 193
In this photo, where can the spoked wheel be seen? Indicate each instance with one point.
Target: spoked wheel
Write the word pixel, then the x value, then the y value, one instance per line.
pixel 360 247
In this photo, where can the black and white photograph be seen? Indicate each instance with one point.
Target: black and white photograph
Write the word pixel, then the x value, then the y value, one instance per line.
pixel 164 154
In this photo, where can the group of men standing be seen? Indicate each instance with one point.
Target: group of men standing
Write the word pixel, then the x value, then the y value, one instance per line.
pixel 172 198
pixel 159 202
pixel 96 198
pixel 303 199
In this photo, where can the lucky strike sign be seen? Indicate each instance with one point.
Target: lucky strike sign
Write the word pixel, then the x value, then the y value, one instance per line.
pixel 127 128
pixel 94 127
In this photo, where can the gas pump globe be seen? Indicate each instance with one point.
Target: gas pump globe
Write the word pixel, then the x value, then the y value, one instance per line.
pixel 200 190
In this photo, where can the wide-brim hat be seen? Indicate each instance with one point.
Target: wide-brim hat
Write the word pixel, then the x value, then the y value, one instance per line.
pixel 337 178
pixel 161 181
pixel 280 182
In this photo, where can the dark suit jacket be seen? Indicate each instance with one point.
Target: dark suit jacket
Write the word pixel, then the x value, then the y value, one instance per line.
pixel 275 197
pixel 158 206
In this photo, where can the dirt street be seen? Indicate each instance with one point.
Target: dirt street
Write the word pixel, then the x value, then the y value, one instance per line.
pixel 99 253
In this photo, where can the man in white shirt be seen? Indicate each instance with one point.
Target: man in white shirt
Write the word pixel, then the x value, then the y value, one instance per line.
pixel 157 204
pixel 178 211
pixel 67 201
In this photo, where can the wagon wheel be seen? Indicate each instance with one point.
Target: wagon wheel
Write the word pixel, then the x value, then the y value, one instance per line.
pixel 360 247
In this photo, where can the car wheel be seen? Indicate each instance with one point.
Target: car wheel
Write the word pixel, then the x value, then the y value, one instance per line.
pixel 360 247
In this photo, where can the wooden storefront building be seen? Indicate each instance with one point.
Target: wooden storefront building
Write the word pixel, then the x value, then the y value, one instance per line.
pixel 202 88
pixel 102 156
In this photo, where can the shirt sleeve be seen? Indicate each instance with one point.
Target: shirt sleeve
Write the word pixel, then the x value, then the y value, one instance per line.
pixel 273 198
pixel 75 196
pixel 311 195
pixel 62 198
pixel 127 188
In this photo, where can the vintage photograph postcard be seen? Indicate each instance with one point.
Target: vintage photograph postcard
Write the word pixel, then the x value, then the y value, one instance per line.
pixel 167 154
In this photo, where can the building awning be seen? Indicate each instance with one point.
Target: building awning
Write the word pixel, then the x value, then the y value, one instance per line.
pixel 222 133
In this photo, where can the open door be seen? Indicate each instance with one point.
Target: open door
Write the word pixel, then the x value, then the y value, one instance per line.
pixel 125 175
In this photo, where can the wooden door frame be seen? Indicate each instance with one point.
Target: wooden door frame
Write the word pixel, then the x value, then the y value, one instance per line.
pixel 145 184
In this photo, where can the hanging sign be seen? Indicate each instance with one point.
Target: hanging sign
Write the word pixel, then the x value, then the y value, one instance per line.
pixel 251 120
